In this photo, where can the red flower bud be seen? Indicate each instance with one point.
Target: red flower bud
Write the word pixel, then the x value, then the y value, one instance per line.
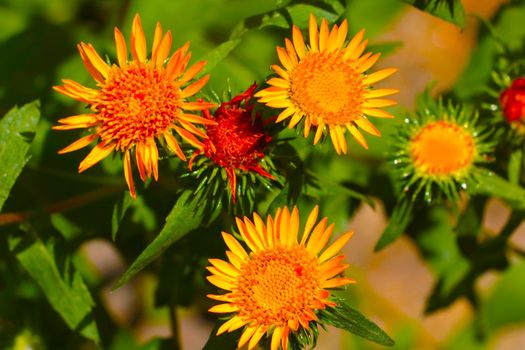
pixel 513 101
pixel 238 140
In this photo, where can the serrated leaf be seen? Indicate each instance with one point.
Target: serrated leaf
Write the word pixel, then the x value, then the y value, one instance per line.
pixel 398 222
pixel 63 286
pixel 119 211
pixel 187 214
pixel 449 10
pixel 345 317
pixel 17 130
pixel 216 55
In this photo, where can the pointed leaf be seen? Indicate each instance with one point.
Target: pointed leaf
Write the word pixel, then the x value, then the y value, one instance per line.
pixel 399 220
pixel 345 317
pixel 187 214
pixel 17 130
pixel 449 10
pixel 119 211
pixel 63 286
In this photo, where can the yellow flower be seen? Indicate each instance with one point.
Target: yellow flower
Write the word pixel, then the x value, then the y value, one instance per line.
pixel 137 103
pixel 442 148
pixel 282 282
pixel 325 84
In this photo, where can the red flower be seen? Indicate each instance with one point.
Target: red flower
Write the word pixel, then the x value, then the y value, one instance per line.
pixel 238 140
pixel 513 101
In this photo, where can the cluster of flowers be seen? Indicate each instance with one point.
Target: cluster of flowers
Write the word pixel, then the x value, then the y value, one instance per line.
pixel 321 85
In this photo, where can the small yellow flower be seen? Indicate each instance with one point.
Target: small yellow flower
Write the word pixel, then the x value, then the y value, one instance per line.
pixel 137 103
pixel 442 148
pixel 326 85
pixel 282 282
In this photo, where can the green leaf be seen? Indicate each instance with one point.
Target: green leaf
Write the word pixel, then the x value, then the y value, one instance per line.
pixel 216 55
pixel 516 162
pixel 119 211
pixel 345 317
pixel 17 130
pixel 187 214
pixel 506 304
pixel 399 220
pixel 61 283
pixel 449 10
pixel 493 185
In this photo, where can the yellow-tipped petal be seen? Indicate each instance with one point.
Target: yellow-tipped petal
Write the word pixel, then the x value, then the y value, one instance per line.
pixel 98 153
pixel 298 42
pixel 78 144
pixel 379 75
pixel 138 40
pixel 333 249
pixel 357 136
pixel 122 50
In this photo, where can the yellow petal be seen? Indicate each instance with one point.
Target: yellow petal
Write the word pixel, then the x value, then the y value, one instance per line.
pixel 122 50
pixel 379 103
pixel 314 34
pixel 298 41
pixel 380 93
pixel 335 247
pixel 78 144
pixel 128 174
pixel 357 135
pixel 138 40
pixel 323 35
pixel 225 267
pixel 246 335
pixel 98 153
pixel 234 246
pixel 256 337
pixel 220 282
pixel 192 71
pixel 377 113
pixel 379 75
pixel 310 222
pixel 276 338
pixel 173 145
pixel 367 126
pixel 164 50
pixel 223 308
pixel 195 87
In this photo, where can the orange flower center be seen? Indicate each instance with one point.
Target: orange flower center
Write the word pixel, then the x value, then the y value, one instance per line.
pixel 136 103
pixel 326 86
pixel 442 148
pixel 277 285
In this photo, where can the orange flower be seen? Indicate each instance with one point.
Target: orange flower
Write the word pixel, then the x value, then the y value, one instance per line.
pixel 282 282
pixel 137 103
pixel 325 84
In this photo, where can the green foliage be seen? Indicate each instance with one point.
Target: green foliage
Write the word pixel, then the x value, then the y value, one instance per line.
pixel 345 317
pixel 449 10
pixel 17 130
pixel 187 214
pixel 60 282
